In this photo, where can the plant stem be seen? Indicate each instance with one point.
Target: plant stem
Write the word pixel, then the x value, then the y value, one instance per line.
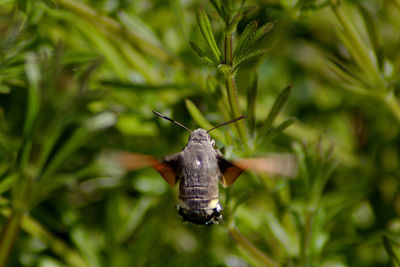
pixel 231 90
pixel 253 251
pixel 233 102
pixel 9 235
pixel 228 49
pixel 306 237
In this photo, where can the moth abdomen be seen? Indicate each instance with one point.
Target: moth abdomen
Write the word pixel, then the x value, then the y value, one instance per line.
pixel 200 211
pixel 209 191
pixel 195 203
pixel 199 203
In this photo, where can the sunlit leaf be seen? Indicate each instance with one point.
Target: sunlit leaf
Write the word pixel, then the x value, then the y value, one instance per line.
pixel 249 37
pixel 276 108
pixel 248 58
pixel 207 33
pixel 391 249
pixel 202 54
pixel 373 33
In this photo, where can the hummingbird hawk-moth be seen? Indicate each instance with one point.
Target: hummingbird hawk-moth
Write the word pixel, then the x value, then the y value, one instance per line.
pixel 199 167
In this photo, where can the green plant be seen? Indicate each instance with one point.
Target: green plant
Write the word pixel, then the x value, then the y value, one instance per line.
pixel 116 60
pixel 42 143
pixel 365 74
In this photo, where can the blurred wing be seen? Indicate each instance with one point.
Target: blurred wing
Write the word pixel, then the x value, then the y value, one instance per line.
pixel 280 164
pixel 167 167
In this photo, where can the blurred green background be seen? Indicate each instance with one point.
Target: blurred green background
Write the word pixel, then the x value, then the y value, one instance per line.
pixel 80 78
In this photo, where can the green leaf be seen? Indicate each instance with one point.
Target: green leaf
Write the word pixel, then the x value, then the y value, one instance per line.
pixel 7 182
pixel 350 76
pixel 202 121
pixel 279 233
pixel 87 245
pixel 242 199
pixel 251 99
pixel 274 132
pixel 235 21
pixel 217 6
pixel 278 130
pixel 306 5
pixel 202 54
pixel 248 58
pixel 248 9
pixel 276 108
pixel 257 256
pixel 141 87
pixel 50 3
pixel 112 56
pixel 250 39
pixel 34 75
pixel 51 137
pixel 134 219
pixel 208 36
pixel 260 32
pixel 4 89
pixel 359 52
pixel 78 138
pixel 391 251
pixel 250 29
pixel 101 121
pixel 373 33
pixel 138 61
pixel 139 27
pixel 211 84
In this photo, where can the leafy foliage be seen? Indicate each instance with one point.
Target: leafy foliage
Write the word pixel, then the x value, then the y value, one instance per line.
pixel 80 78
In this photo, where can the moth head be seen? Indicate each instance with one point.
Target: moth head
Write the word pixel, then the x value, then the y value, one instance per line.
pixel 201 136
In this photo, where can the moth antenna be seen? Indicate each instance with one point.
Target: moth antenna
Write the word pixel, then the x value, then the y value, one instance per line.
pixel 225 123
pixel 171 120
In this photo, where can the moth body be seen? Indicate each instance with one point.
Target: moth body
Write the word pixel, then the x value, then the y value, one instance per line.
pixel 199 167
pixel 198 176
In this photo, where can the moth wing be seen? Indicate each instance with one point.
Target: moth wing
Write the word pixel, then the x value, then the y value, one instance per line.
pixel 229 171
pixel 279 164
pixel 167 167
